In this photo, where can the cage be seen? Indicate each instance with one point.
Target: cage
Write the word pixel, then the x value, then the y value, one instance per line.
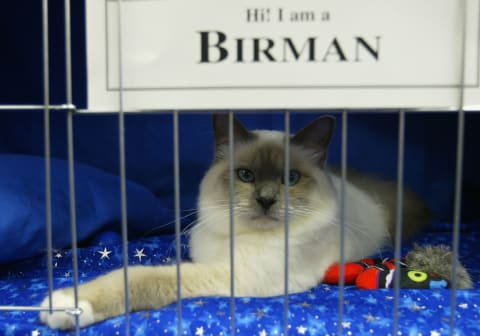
pixel 85 192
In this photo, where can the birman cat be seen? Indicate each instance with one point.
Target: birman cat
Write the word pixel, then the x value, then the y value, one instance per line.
pixel 259 212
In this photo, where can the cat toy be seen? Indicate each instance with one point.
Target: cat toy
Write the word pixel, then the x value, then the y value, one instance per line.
pixel 425 267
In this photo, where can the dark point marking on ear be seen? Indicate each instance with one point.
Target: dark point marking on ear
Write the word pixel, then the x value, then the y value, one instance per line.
pixel 220 129
pixel 316 137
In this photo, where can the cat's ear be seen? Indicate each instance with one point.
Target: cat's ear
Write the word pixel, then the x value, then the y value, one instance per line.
pixel 316 136
pixel 220 129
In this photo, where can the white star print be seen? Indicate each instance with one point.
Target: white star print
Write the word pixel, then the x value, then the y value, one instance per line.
pixel 463 305
pixel 198 331
pixel 301 330
pixel 370 317
pixel 260 314
pixel 262 333
pixel 35 332
pixel 434 333
pixel 346 325
pixel 58 255
pixel 104 253
pixel 416 307
pixel 139 254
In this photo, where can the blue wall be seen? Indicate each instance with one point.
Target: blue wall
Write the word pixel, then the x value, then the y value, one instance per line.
pixel 430 138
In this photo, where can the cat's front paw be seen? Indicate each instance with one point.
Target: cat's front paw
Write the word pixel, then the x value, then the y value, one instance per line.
pixel 66 319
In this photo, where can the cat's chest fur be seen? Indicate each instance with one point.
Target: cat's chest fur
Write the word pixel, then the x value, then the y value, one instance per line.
pixel 314 245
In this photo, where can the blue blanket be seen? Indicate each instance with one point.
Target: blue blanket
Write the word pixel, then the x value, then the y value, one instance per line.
pixel 314 312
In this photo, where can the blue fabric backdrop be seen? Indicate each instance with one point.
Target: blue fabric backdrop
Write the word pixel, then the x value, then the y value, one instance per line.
pixel 430 148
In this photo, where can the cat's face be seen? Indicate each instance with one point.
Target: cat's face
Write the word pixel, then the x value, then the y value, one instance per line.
pixel 259 179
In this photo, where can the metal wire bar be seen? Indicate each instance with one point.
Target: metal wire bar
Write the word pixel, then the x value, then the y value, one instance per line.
pixel 399 218
pixel 37 107
pixel 176 178
pixel 286 177
pixel 435 109
pixel 71 170
pixel 73 214
pixel 343 207
pixel 123 187
pixel 46 121
pixel 457 216
pixel 68 310
pixel 457 207
pixel 68 54
pixel 231 152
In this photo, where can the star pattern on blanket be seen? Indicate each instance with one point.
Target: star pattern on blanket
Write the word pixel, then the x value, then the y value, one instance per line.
pixel 364 312
pixel 305 304
pixel 301 330
pixel 260 314
pixel 139 254
pixel 370 318
pixel 105 253
pixel 416 307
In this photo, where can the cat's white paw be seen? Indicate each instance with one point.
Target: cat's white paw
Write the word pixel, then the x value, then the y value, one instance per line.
pixel 64 320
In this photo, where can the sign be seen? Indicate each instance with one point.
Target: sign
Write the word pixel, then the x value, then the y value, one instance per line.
pixel 216 54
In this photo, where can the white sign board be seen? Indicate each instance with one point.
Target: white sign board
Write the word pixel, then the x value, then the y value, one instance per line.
pixel 217 54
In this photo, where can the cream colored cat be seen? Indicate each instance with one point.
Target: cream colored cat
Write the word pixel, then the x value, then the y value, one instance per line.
pixel 259 211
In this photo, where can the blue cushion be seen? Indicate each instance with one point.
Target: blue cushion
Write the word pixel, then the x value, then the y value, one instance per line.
pixel 23 209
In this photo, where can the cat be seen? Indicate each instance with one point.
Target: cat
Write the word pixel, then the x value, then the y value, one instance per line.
pixel 259 212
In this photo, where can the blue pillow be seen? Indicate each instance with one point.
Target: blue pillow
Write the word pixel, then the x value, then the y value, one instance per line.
pixel 23 209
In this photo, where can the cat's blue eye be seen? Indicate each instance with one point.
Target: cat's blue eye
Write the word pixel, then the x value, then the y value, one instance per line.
pixel 293 177
pixel 245 175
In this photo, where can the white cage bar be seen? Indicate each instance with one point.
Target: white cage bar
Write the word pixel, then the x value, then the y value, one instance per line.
pixel 231 165
pixel 46 122
pixel 343 209
pixel 286 169
pixel 399 217
pixel 123 187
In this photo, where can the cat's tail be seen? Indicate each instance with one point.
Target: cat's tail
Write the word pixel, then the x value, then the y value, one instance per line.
pixel 416 216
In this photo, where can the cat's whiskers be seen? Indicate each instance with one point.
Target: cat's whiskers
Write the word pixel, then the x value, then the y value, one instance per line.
pixel 194 223
pixel 221 213
pixel 199 225
pixel 351 227
pixel 159 227
pixel 193 212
